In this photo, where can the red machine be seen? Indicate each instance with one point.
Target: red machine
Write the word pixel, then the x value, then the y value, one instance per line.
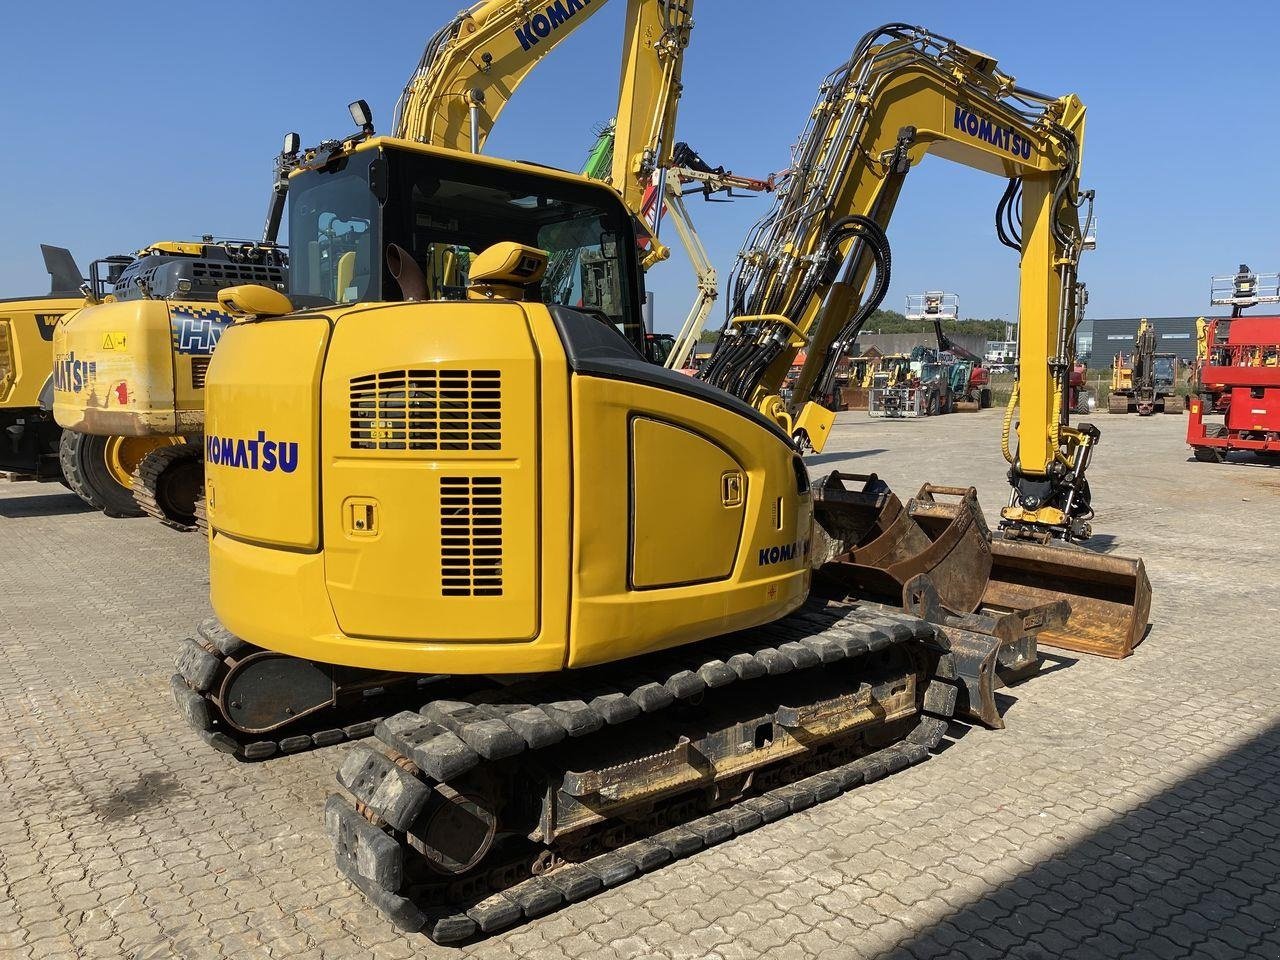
pixel 1078 396
pixel 1239 377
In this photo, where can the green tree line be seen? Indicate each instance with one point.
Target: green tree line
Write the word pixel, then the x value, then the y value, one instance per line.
pixel 891 321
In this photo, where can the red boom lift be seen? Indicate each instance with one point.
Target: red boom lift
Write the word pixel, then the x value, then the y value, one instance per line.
pixel 1238 377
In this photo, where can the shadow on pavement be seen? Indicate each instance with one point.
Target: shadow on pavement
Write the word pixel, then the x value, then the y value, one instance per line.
pixel 819 458
pixel 1193 872
pixel 43 505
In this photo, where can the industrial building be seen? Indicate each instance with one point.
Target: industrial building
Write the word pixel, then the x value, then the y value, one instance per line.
pixel 1097 341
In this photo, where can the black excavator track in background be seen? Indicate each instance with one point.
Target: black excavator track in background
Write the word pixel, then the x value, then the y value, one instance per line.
pixel 168 485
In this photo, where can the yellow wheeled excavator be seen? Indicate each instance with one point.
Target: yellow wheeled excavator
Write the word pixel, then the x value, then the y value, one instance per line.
pixel 129 366
pixel 602 612
pixel 129 370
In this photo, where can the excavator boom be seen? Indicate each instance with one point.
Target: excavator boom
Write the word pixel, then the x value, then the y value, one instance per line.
pixel 802 277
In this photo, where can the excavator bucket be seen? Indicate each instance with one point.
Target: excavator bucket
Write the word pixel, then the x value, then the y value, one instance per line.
pixel 876 546
pixel 994 600
pixel 855 398
pixel 1110 596
pixel 932 558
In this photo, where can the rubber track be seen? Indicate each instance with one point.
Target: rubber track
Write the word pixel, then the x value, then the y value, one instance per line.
pixel 203 660
pixel 371 858
pixel 146 481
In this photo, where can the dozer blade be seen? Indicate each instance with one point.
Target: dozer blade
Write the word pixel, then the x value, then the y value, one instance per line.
pixel 989 649
pixel 1110 597
pixel 875 546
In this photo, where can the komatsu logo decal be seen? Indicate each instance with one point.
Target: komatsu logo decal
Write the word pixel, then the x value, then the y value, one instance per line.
pixel 983 129
pixel 71 375
pixel 781 553
pixel 198 329
pixel 258 453
pixel 541 25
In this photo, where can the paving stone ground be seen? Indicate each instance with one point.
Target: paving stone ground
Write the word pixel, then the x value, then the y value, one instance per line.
pixel 1130 809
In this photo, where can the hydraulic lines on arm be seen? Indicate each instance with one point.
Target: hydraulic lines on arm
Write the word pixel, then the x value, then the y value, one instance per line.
pixel 801 278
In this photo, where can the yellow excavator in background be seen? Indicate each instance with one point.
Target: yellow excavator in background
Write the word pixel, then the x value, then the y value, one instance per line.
pixel 473 66
pixel 617 620
pixel 28 433
pixel 129 369
pixel 148 360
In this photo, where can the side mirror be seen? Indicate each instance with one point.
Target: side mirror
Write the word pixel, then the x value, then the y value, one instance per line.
pixel 254 300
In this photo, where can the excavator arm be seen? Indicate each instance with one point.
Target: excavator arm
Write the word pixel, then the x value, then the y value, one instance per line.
pixel 800 282
pixel 473 66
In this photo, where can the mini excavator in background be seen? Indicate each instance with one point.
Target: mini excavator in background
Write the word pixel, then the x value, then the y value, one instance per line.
pixel 594 612
pixel 1145 382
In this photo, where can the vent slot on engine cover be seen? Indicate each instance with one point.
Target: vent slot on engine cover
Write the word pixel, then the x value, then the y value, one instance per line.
pixel 427 410
pixel 471 536
pixel 199 369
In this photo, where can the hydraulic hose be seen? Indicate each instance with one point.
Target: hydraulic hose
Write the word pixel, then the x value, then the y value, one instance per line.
pixel 1007 428
pixel 1055 432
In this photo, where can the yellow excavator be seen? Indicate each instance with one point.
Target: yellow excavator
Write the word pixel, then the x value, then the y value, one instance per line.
pixel 134 437
pixel 129 366
pixel 604 615
pixel 28 434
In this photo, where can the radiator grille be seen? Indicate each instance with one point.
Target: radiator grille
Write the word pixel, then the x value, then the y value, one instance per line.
pixel 199 368
pixel 471 536
pixel 427 410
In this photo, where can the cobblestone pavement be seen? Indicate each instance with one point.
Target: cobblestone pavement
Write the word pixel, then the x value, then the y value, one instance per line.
pixel 1130 809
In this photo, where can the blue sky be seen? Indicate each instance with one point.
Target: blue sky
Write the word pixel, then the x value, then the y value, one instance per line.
pixel 149 124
